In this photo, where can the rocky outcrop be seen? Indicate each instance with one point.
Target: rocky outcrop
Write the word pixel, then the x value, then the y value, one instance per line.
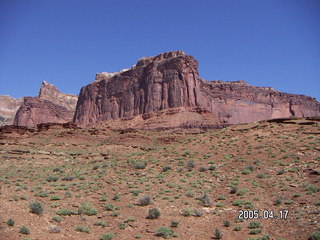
pixel 34 111
pixel 171 80
pixel 51 93
pixel 51 106
pixel 8 109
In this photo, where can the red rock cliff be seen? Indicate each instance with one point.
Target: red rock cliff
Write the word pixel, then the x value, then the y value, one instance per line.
pixel 51 106
pixel 171 80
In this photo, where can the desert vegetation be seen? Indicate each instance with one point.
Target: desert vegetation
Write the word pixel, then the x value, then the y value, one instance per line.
pixel 105 184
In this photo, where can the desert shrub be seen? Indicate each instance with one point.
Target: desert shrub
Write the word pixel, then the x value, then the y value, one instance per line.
pixel 100 223
pixel 165 232
pixel 233 189
pixel 254 225
pixel 110 207
pixel 212 167
pixel 10 222
pixel 154 213
pixel 55 198
pixel 255 231
pixel 226 223
pixel 174 224
pixel 122 225
pixel 166 168
pixel 312 188
pixel 24 230
pixel 82 229
pixel 190 165
pixel 187 212
pixel 144 200
pixel 116 197
pixel 205 200
pixel 277 201
pixel 54 229
pixel 237 228
pixel 87 209
pixel 197 213
pixel 65 212
pixel 36 207
pixel 217 234
pixel 138 164
pixel 68 178
pixel 52 178
pixel 280 172
pixel 202 169
pixel 315 236
pixel 107 236
pixel 56 219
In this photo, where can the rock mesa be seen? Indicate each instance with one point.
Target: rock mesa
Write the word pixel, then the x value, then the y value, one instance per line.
pixel 171 80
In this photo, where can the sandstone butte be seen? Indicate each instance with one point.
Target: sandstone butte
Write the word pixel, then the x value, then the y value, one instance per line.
pixel 170 81
pixel 51 106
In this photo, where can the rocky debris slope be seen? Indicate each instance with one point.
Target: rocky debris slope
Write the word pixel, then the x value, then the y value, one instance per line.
pixel 51 106
pixel 8 109
pixel 171 80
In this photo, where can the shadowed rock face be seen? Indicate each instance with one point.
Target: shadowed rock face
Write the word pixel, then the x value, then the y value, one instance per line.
pixel 51 106
pixel 34 111
pixel 171 80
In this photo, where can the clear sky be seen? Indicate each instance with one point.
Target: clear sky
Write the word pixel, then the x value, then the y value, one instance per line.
pixel 272 43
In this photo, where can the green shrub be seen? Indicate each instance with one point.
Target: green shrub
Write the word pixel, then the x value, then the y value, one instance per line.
pixel 87 209
pixel 100 223
pixel 10 222
pixel 52 178
pixel 65 212
pixel 237 228
pixel 107 236
pixel 110 207
pixel 55 198
pixel 56 219
pixel 165 232
pixel 255 231
pixel 187 212
pixel 218 234
pixel 315 236
pixel 137 164
pixel 82 229
pixel 166 168
pixel 36 207
pixel 24 230
pixel 254 225
pixel 226 223
pixel 205 200
pixel 144 200
pixel 174 224
pixel 153 213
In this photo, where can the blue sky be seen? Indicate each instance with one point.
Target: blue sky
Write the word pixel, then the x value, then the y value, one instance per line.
pixel 66 42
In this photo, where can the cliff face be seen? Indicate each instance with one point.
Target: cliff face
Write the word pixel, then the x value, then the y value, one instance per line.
pixel 171 80
pixel 34 111
pixel 51 106
pixel 168 80
pixel 8 109
pixel 51 93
